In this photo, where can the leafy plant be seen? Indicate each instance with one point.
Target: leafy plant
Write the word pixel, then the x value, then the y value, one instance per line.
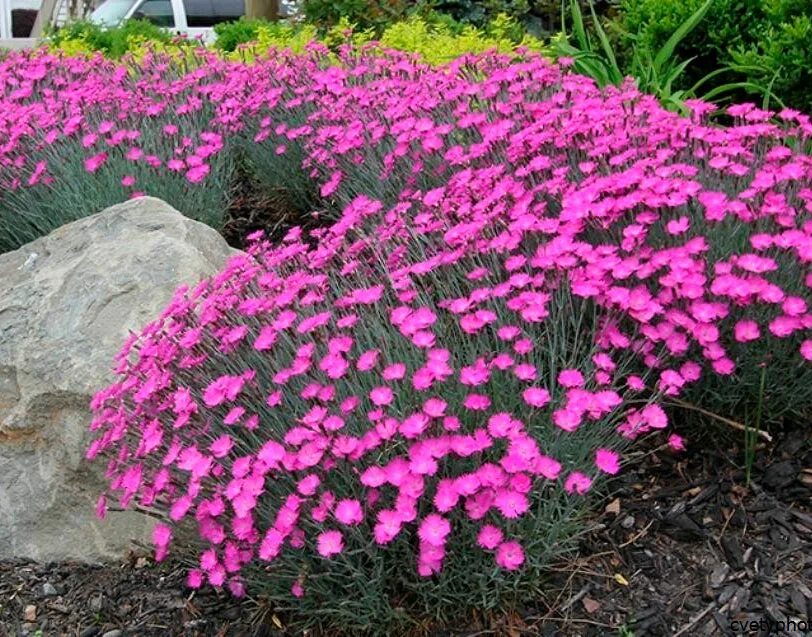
pixel 481 13
pixel 782 57
pixel 114 42
pixel 365 14
pixel 661 72
pixel 740 47
pixel 230 35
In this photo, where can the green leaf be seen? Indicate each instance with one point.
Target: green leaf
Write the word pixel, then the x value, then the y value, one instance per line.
pixel 579 31
pixel 605 44
pixel 667 50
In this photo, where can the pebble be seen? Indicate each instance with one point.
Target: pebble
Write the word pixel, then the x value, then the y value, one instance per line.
pixel 30 613
pixel 719 575
pixel 113 633
pixel 48 590
pixel 96 603
pixel 90 631
pixel 627 522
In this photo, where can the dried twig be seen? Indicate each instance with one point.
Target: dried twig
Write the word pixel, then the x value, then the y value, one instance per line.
pixel 731 423
pixel 695 620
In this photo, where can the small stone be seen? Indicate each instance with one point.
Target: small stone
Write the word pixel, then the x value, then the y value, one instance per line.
pixel 96 603
pixel 113 633
pixel 90 631
pixel 627 522
pixel 719 575
pixel 48 590
pixel 30 613
pixel 726 594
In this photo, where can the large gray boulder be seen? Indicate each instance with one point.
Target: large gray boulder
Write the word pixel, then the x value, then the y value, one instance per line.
pixel 67 303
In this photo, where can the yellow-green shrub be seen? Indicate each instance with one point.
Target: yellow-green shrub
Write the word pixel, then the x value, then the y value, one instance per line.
pixel 436 43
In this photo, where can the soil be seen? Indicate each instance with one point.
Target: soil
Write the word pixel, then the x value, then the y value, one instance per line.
pixel 682 546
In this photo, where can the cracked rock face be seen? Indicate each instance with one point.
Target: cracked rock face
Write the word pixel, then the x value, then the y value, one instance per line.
pixel 67 303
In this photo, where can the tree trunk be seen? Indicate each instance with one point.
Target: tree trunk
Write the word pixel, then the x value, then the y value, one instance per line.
pixel 268 9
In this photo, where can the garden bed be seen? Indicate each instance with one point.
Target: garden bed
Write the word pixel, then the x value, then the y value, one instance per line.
pixel 681 547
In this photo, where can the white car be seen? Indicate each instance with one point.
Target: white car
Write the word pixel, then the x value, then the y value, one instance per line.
pixel 192 18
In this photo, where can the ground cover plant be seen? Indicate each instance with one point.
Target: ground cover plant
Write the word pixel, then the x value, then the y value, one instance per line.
pixel 523 271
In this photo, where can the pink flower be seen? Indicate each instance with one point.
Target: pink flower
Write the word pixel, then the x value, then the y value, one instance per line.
pixel 548 467
pixel 307 486
pixel 511 504
pixel 297 590
pixel 806 349
pixel 368 296
pixel 367 360
pixel 476 402
pixel 349 512
pixel 92 164
pixel 196 174
pixel 394 372
pixel 225 388
pixel 654 416
pixel 330 543
pixel 567 419
pixel 388 526
pixel 194 578
pixel 607 461
pixel 510 555
pixel 434 407
pixel 221 446
pixel 570 378
pixel 676 443
pixel 489 537
pixel 373 477
pixel 381 396
pixel 577 482
pixel 434 529
pixel 746 331
pixel 161 536
pixel 536 396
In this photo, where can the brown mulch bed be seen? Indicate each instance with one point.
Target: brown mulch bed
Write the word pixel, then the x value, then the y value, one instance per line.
pixel 682 547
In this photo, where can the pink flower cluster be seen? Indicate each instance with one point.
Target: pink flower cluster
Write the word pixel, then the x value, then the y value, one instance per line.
pixel 525 265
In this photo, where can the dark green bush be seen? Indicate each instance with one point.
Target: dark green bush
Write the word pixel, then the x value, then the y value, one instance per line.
pixel 480 13
pixel 647 25
pixel 766 42
pixel 230 35
pixel 782 54
pixel 365 14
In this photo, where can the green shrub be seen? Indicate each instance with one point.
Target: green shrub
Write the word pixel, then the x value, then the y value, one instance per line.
pixel 365 14
pixel 232 34
pixel 480 13
pixel 761 42
pixel 782 54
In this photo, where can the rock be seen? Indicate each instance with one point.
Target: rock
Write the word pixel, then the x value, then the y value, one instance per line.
pixel 113 633
pixel 48 590
pixel 67 303
pixel 90 631
pixel 30 613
